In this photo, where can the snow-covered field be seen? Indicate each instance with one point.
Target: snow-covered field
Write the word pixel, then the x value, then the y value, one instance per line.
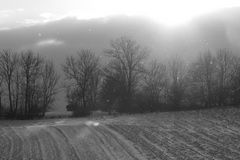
pixel 208 134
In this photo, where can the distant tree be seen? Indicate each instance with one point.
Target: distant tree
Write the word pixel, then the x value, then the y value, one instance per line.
pixel 155 83
pixel 127 61
pixel 204 74
pixel 235 81
pixel 224 62
pixel 112 88
pixel 1 93
pixel 8 66
pixel 49 81
pixel 16 90
pixel 177 75
pixel 83 71
pixel 31 71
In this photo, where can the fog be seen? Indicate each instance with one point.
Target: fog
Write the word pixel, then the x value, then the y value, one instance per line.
pixel 57 39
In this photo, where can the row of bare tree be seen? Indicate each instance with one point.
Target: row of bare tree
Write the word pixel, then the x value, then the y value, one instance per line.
pixel 28 84
pixel 128 82
pixel 125 80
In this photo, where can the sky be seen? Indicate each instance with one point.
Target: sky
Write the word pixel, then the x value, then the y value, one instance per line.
pixel 56 28
pixel 18 13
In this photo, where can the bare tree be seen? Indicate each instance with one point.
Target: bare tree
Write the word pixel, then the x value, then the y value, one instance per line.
pixel 83 70
pixel 31 70
pixel 204 75
pixel 1 93
pixel 127 59
pixel 49 81
pixel 235 81
pixel 112 88
pixel 16 90
pixel 8 66
pixel 224 61
pixel 177 74
pixel 155 81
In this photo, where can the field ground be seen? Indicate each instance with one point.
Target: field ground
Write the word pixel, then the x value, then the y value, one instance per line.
pixel 206 134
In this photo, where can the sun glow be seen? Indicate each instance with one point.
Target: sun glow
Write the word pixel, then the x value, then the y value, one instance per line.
pixel 170 12
pixel 167 12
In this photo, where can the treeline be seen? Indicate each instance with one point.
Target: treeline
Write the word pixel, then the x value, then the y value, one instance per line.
pixel 123 80
pixel 126 81
pixel 27 84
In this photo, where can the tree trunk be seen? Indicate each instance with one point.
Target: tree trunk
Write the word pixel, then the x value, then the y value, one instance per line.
pixel 10 96
pixel 0 103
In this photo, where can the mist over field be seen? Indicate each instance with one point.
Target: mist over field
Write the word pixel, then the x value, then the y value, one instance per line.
pixel 120 79
pixel 57 39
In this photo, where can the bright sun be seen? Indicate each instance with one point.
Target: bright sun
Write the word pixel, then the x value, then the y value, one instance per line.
pixel 168 12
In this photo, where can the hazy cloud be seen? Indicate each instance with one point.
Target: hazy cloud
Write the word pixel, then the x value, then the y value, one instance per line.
pixel 5 13
pixel 49 42
pixel 20 9
pixel 59 38
pixel 4 28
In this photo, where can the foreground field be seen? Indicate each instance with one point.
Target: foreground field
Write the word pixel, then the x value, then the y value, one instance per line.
pixel 209 134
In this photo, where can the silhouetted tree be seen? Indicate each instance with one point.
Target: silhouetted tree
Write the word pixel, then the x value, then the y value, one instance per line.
pixel 127 61
pixel 204 75
pixel 235 81
pixel 112 88
pixel 1 93
pixel 224 61
pixel 177 75
pixel 8 66
pixel 83 71
pixel 31 71
pixel 49 81
pixel 155 83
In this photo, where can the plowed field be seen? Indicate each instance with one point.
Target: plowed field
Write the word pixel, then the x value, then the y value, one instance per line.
pixel 207 134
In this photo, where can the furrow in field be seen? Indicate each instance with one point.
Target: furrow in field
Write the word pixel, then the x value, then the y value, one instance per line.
pixel 75 141
pixel 34 151
pixel 178 149
pixel 50 148
pixel 77 138
pixel 175 144
pixel 97 145
pixel 125 144
pixel 183 128
pixel 11 142
pixel 5 145
pixel 17 152
pixel 83 136
pixel 71 152
pixel 223 139
pixel 147 149
pixel 118 148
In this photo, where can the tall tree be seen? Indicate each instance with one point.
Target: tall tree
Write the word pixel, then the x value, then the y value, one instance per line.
pixel 126 59
pixel 83 71
pixel 177 75
pixel 31 71
pixel 8 66
pixel 204 75
pixel 235 81
pixel 224 61
pixel 1 93
pixel 49 81
pixel 155 81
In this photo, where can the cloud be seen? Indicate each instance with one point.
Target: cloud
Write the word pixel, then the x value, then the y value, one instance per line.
pixel 43 18
pixel 48 17
pixel 49 42
pixel 20 10
pixel 6 13
pixel 4 28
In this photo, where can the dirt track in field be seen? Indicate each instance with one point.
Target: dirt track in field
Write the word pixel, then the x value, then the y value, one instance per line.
pixel 209 134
